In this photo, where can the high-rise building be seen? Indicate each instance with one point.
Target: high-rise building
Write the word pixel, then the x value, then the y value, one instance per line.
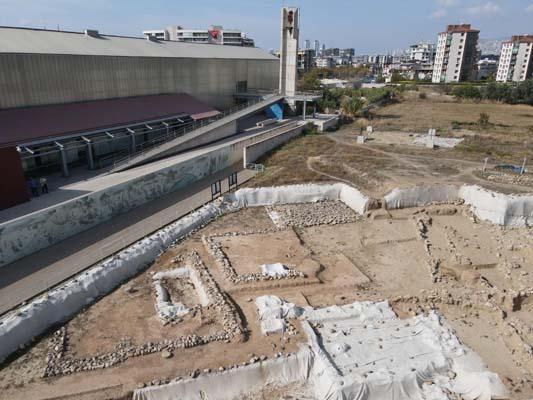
pixel 456 56
pixel 516 59
pixel 422 53
pixel 307 44
pixel 213 35
pixel 317 47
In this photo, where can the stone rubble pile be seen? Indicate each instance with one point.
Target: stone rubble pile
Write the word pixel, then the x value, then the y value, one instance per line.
pixel 215 249
pixel 422 223
pixel 513 179
pixel 311 214
pixel 60 363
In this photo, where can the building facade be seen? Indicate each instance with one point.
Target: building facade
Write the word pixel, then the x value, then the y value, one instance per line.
pixel 487 69
pixel 213 35
pixel 64 67
pixel 456 55
pixel 422 53
pixel 516 60
pixel 317 47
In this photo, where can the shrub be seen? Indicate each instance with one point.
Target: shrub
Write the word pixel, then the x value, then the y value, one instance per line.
pixel 483 119
pixel 422 96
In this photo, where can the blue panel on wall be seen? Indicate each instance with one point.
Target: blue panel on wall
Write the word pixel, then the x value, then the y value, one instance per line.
pixel 275 111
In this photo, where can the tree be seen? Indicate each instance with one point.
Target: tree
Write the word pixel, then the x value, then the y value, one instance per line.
pixel 351 106
pixel 396 77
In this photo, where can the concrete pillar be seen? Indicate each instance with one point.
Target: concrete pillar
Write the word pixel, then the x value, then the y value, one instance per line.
pixel 64 162
pixel 132 141
pixel 90 157
pixel 305 107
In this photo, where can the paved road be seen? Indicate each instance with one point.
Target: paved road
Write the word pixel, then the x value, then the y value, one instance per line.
pixel 31 275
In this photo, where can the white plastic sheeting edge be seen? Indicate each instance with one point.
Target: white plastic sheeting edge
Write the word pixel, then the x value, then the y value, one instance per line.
pixel 497 208
pixel 420 196
pixel 234 383
pixel 19 327
pixel 309 193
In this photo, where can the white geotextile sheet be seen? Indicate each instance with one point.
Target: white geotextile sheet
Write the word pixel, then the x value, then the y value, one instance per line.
pixel 388 358
pixel 420 196
pixel 235 383
pixel 308 193
pixel 164 307
pixel 273 312
pixel 275 269
pixel 499 208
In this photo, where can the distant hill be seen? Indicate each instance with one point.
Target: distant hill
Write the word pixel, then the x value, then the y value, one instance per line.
pixel 490 46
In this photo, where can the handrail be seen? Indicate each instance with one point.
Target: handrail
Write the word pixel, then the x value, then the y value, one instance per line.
pixel 171 135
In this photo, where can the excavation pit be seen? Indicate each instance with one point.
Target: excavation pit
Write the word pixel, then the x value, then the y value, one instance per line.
pixel 436 257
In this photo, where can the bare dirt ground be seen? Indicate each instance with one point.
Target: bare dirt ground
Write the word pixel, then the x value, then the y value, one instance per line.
pixel 479 276
pixel 390 159
pixel 381 256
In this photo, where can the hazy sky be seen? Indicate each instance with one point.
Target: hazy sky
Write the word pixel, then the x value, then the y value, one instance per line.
pixel 368 26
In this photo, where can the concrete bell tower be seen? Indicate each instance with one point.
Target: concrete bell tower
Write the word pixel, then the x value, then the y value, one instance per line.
pixel 290 31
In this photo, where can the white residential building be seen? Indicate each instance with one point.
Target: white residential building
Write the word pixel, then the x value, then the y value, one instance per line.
pixel 456 56
pixel 486 68
pixel 213 35
pixel 516 60
pixel 325 62
pixel 422 53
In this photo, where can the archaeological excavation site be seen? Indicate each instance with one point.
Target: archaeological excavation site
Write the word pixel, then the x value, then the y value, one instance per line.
pixel 310 291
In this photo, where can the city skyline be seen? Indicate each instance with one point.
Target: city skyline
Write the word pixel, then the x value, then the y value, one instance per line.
pixel 347 24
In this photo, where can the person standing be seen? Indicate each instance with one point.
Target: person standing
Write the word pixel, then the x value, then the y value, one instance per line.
pixel 34 188
pixel 44 185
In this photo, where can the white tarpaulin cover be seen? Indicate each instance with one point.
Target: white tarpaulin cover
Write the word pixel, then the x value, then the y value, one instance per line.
pixel 272 313
pixel 497 208
pixel 276 269
pixel 361 351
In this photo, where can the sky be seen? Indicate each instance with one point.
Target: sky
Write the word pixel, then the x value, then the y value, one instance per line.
pixel 376 26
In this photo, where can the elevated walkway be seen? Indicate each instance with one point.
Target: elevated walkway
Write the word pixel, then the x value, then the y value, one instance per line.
pixel 198 134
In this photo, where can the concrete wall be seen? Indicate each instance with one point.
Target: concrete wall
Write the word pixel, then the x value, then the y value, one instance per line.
pixel 37 79
pixel 30 233
pixel 254 151
pixel 211 136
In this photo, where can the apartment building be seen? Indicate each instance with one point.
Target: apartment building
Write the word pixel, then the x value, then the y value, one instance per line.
pixel 456 56
pixel 516 61
pixel 422 53
pixel 213 35
pixel 487 68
